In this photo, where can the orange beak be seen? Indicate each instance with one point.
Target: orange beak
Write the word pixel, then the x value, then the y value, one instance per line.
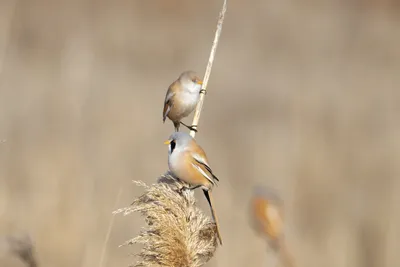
pixel 167 142
pixel 200 82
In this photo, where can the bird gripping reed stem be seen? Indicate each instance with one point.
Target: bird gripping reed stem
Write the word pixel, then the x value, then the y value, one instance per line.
pixel 199 106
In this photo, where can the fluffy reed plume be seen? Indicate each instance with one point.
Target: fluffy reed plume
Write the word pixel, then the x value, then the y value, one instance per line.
pixel 177 233
pixel 20 246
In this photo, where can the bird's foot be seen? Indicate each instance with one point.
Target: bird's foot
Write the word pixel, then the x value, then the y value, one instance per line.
pixel 180 190
pixel 189 188
pixel 192 128
pixel 193 187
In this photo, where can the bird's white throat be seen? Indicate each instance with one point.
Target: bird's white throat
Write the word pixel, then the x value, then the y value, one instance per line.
pixel 192 87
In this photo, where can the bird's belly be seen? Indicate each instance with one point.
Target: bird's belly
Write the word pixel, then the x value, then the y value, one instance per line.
pixel 184 105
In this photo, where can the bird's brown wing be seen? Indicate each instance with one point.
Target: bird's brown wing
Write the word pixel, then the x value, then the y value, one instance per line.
pixel 167 104
pixel 199 160
pixel 200 156
pixel 169 98
pixel 208 168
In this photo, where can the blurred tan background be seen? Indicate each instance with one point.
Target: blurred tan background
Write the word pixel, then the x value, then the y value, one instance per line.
pixel 303 97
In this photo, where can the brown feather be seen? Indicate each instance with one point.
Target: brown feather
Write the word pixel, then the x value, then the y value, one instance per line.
pixel 203 164
pixel 210 200
pixel 207 168
pixel 268 217
pixel 191 174
pixel 167 107
pixel 169 110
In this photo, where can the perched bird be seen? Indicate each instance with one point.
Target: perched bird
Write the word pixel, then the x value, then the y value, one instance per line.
pixel 181 98
pixel 267 213
pixel 267 216
pixel 188 162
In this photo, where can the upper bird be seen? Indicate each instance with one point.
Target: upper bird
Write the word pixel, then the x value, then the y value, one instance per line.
pixel 181 98
pixel 188 162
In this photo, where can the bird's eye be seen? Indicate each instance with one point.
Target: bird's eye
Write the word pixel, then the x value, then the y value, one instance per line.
pixel 172 145
pixel 194 80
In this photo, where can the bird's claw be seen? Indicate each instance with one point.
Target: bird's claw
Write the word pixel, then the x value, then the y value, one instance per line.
pixel 193 128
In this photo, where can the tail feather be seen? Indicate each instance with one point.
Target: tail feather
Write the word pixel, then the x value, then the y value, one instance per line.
pixel 210 201
pixel 286 257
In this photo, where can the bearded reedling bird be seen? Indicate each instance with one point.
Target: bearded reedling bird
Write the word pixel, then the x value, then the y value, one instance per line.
pixel 188 162
pixel 267 216
pixel 181 98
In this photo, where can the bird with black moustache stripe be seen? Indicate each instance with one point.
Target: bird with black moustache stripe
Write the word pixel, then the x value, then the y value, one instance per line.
pixel 188 162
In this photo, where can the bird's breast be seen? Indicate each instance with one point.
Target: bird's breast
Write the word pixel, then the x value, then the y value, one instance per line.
pixel 189 99
pixel 184 104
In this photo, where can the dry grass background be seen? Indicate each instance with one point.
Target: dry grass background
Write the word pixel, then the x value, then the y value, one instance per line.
pixel 303 97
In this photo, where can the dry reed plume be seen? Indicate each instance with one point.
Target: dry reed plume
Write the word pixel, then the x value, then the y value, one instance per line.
pixel 177 233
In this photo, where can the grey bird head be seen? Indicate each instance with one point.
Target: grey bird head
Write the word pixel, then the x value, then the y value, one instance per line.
pixel 178 141
pixel 191 81
pixel 268 193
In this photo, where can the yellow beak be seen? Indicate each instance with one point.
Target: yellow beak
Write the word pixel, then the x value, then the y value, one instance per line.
pixel 167 142
pixel 199 82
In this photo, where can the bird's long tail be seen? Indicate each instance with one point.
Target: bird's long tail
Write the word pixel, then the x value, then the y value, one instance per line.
pixel 285 255
pixel 211 201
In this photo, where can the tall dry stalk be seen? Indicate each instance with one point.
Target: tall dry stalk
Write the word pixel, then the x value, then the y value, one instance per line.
pixel 199 106
pixel 177 232
pixel 110 226
pixel 203 91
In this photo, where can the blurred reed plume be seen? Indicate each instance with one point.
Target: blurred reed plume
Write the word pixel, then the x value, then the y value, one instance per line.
pixel 177 233
pixel 19 245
